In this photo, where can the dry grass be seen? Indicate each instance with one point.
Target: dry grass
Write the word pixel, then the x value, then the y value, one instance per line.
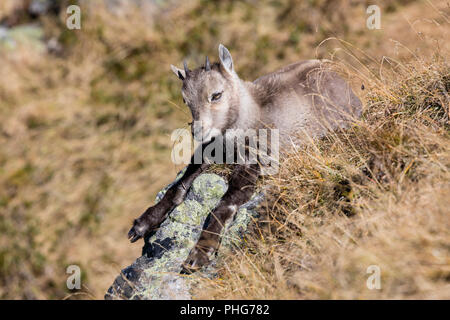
pixel 375 194
pixel 85 142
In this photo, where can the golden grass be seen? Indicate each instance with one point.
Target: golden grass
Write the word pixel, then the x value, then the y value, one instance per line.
pixel 375 194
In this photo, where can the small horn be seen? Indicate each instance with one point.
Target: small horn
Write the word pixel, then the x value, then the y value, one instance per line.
pixel 186 69
pixel 207 64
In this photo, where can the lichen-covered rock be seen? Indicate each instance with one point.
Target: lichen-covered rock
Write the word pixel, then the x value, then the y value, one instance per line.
pixel 155 275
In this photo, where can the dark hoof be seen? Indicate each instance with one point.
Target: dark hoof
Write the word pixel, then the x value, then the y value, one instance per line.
pixel 138 230
pixel 186 270
pixel 198 258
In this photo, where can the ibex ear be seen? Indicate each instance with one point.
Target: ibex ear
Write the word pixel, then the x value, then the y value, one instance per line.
pixel 225 59
pixel 178 72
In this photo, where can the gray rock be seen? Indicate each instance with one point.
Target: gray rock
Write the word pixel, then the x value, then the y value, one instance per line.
pixel 155 275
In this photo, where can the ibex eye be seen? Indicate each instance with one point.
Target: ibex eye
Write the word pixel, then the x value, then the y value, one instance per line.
pixel 216 96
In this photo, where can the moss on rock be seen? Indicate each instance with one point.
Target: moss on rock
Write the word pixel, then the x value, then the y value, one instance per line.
pixel 155 275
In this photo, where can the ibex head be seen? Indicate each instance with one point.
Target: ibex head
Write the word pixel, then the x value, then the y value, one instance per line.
pixel 212 94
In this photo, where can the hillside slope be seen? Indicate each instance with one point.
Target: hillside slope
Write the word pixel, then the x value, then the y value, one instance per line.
pixel 85 136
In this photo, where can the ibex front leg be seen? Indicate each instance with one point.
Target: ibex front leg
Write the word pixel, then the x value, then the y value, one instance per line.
pixel 155 215
pixel 240 190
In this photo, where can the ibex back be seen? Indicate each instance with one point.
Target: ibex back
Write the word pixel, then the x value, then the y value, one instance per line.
pixel 302 100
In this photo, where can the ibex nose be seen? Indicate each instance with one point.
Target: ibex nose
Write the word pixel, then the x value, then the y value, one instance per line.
pixel 196 129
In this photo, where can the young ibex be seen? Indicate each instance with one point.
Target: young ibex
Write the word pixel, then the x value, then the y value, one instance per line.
pixel 304 99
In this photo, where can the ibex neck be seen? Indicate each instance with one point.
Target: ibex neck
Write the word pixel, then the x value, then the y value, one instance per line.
pixel 249 110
